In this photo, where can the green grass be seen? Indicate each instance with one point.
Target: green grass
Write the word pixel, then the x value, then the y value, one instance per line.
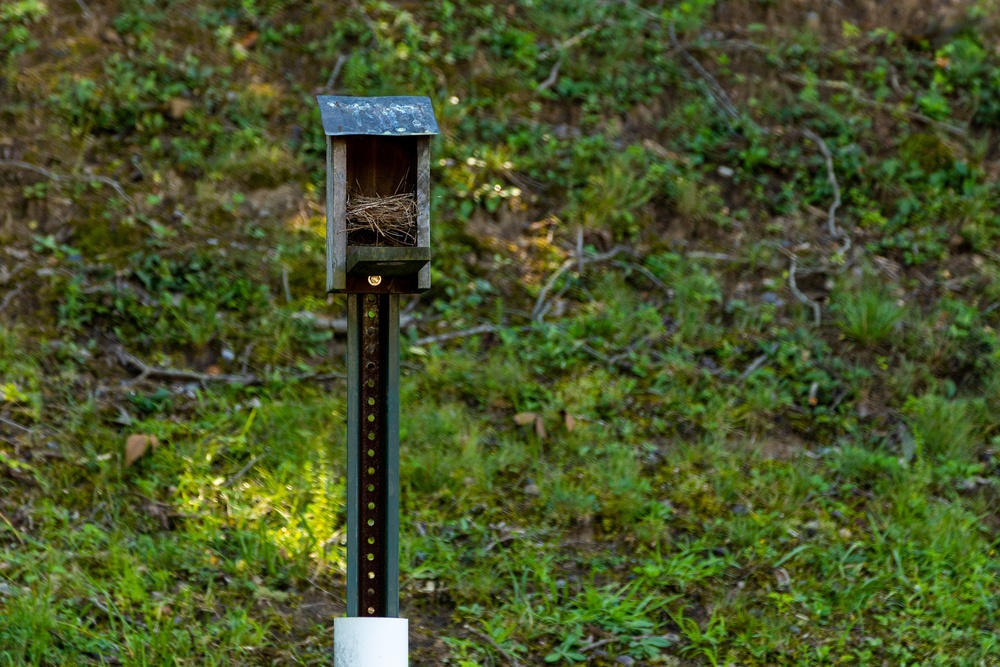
pixel 705 477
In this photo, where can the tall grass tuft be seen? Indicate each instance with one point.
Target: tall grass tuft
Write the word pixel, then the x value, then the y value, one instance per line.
pixel 942 428
pixel 870 317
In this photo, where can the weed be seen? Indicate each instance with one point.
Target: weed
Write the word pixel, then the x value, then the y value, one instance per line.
pixel 942 427
pixel 869 316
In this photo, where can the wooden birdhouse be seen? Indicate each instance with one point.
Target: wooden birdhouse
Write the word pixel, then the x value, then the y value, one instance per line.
pixel 378 193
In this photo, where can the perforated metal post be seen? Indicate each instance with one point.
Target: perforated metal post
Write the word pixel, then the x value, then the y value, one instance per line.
pixel 373 455
pixel 378 148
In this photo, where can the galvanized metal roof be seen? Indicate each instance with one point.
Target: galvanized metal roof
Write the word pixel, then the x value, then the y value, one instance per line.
pixel 381 116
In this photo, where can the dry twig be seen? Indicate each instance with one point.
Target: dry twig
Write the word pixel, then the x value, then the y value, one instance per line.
pixel 451 335
pixel 860 98
pixel 147 371
pixel 540 309
pixel 716 91
pixel 244 470
pixel 339 65
pixel 61 178
pixel 8 298
pixel 831 222
pixel 492 642
pixel 551 79
pixel 793 267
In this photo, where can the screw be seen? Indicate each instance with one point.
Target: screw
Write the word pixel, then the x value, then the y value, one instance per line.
pixel 374 281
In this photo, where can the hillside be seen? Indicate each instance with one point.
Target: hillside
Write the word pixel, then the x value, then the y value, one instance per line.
pixel 708 374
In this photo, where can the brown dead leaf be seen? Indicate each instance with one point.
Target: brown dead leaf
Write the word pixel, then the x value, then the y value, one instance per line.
pixel 178 107
pixel 540 427
pixel 570 421
pixel 136 446
pixel 525 418
pixel 248 40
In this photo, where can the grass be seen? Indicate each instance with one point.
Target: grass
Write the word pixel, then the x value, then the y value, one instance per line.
pixel 673 466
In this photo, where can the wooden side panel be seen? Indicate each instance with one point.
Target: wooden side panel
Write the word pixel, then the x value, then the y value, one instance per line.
pixel 336 214
pixel 424 206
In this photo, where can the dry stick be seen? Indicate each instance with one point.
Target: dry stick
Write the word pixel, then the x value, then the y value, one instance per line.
pixel 537 313
pixel 8 298
pixel 52 176
pixel 757 363
pixel 715 90
pixel 465 333
pixel 831 223
pixel 717 256
pixel 649 274
pixel 858 97
pixel 563 268
pixel 339 65
pixel 609 640
pixel 145 370
pixel 551 79
pixel 492 642
pixel 799 295
pixel 284 284
pixel 579 247
pixel 339 325
pixel 562 48
pixel 14 424
pixel 244 470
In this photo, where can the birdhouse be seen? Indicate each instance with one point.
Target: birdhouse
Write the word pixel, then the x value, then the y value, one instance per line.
pixel 378 193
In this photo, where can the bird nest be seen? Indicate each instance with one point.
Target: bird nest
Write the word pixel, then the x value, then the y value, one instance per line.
pixel 382 221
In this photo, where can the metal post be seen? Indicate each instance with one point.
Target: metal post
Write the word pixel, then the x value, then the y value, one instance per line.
pixel 373 455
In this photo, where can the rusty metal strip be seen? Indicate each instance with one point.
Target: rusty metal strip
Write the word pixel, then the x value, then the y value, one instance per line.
pixel 371 545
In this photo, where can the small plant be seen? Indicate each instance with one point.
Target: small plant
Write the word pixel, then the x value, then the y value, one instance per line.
pixel 942 427
pixel 870 317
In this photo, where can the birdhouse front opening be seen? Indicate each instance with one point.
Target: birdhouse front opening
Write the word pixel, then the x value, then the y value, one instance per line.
pixel 378 173
pixel 381 177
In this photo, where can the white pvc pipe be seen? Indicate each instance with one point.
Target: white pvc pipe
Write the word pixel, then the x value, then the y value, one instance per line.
pixel 370 642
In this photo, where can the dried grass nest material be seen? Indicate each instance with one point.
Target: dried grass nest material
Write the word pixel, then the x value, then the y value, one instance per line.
pixel 389 220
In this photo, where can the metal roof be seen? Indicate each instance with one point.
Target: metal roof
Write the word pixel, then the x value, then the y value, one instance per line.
pixel 380 116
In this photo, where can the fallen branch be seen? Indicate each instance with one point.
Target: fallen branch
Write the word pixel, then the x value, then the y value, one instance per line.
pixel 551 79
pixel 831 222
pixel 562 48
pixel 244 470
pixel 610 640
pixel 860 98
pixel 715 256
pixel 716 91
pixel 339 65
pixel 147 371
pixel 338 325
pixel 53 176
pixel 452 335
pixel 798 293
pixel 492 642
pixel 8 298
pixel 540 309
pixel 649 275
pixel 14 424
